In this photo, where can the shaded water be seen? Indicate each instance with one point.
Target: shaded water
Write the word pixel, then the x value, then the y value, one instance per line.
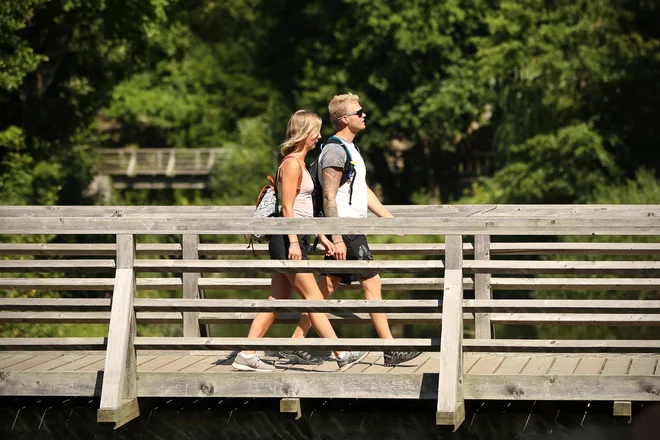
pixel 60 418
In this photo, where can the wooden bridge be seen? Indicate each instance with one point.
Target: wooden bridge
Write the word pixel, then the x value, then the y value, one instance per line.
pixel 159 167
pixel 471 258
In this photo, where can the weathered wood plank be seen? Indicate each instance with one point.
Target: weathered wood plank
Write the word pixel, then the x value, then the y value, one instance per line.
pixel 575 248
pixel 590 365
pixel 616 367
pixel 562 306
pixel 284 305
pixel 564 365
pixel 512 365
pixel 575 283
pixel 514 225
pixel 286 266
pixel 80 363
pixel 27 344
pixel 559 387
pixel 190 285
pixel 482 289
pixel 642 367
pixel 55 363
pixel 363 344
pixel 450 408
pixel 119 390
pixel 631 319
pixel 47 266
pixel 387 283
pixel 86 283
pixel 487 364
pixel 61 304
pixel 32 362
pixel 539 365
pixel 589 211
pixel 561 346
pixel 647 268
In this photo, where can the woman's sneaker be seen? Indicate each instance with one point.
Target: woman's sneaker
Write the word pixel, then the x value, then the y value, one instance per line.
pixel 302 357
pixel 251 363
pixel 393 358
pixel 349 358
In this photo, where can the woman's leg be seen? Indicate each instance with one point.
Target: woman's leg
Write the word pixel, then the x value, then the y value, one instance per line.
pixel 327 284
pixel 306 285
pixel 280 288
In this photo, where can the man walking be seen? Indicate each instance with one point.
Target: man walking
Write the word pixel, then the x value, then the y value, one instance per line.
pixel 349 197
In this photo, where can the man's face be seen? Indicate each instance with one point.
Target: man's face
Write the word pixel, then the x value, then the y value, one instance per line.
pixel 355 117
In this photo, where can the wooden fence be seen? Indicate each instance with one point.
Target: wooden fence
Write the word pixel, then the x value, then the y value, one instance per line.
pixel 470 253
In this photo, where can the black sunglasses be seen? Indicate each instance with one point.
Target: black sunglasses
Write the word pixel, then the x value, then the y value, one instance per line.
pixel 359 113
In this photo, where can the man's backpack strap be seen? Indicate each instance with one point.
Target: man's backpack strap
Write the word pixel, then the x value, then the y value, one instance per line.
pixel 349 166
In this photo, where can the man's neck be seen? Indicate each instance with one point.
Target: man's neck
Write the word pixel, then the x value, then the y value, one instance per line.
pixel 346 135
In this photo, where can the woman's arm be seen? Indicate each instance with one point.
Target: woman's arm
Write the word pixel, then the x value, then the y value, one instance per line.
pixel 290 172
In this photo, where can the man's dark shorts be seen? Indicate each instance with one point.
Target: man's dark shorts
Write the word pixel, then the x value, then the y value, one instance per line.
pixel 357 248
pixel 278 247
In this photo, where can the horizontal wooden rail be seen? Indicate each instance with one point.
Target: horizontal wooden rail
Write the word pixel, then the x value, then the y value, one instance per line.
pixel 208 249
pixel 437 211
pixel 647 268
pixel 103 284
pixel 56 265
pixel 575 283
pixel 600 319
pixel 561 306
pixel 515 225
pixel 286 266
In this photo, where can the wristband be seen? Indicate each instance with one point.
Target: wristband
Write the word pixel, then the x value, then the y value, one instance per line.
pixel 293 245
pixel 338 241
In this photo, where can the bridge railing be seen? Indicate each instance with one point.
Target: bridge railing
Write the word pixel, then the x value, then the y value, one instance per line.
pixel 170 162
pixel 453 275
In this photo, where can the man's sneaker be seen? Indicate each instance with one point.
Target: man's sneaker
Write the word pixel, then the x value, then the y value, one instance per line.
pixel 393 358
pixel 251 363
pixel 349 358
pixel 302 357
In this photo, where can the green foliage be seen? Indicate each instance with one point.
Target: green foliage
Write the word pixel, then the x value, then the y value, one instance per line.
pixel 566 167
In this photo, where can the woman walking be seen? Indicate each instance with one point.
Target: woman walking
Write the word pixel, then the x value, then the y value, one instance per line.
pixel 303 131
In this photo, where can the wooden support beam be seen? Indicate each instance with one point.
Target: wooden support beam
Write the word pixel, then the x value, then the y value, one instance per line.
pixel 622 408
pixel 190 242
pixel 451 409
pixel 119 389
pixel 482 290
pixel 291 405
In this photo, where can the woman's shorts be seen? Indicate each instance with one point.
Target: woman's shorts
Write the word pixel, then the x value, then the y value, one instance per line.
pixel 278 247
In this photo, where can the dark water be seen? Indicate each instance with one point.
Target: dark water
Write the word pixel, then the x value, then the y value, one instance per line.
pixel 33 418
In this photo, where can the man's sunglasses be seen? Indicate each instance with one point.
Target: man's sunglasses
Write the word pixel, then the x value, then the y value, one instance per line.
pixel 359 113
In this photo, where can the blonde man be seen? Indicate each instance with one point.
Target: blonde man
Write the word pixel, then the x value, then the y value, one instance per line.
pixel 350 197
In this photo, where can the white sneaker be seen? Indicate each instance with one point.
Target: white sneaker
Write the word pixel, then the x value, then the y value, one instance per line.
pixel 251 363
pixel 349 358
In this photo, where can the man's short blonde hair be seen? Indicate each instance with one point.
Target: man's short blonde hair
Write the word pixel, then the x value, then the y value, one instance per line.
pixel 338 107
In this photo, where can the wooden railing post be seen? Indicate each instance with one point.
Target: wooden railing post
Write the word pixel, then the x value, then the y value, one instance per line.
pixel 482 289
pixel 119 392
pixel 190 245
pixel 451 408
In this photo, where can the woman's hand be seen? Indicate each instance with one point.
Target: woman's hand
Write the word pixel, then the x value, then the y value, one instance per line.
pixel 295 253
pixel 327 245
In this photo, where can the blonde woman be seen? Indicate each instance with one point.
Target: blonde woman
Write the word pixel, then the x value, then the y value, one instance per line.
pixel 303 131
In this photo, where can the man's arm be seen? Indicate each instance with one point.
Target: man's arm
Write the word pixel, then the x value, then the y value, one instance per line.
pixel 376 206
pixel 331 181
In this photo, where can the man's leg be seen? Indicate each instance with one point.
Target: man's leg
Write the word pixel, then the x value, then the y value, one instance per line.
pixel 328 284
pixel 372 290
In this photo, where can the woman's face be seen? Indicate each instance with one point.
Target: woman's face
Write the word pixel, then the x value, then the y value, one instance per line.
pixel 313 138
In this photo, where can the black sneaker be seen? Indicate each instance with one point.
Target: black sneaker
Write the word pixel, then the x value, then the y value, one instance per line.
pixel 393 358
pixel 302 357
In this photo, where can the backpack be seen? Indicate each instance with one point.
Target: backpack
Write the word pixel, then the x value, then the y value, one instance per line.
pixel 268 204
pixel 348 172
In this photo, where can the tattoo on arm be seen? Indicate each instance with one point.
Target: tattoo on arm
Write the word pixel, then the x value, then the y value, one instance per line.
pixel 331 180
